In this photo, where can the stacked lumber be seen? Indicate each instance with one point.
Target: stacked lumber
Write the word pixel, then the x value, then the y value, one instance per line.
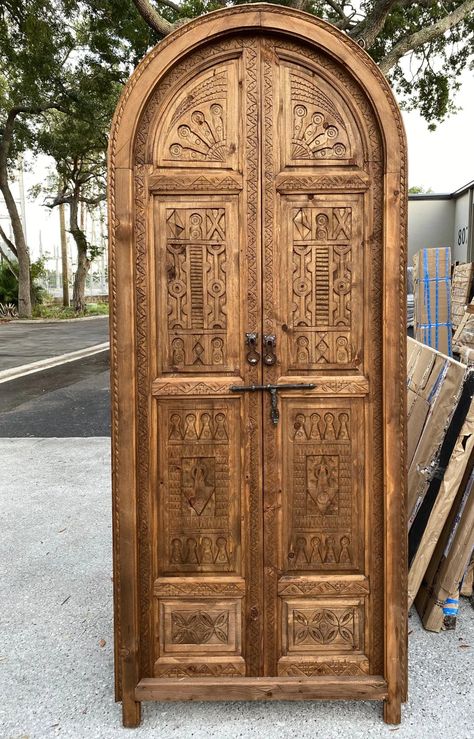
pixel 440 481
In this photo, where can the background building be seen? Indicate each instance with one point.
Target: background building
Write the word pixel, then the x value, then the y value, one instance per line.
pixel 436 220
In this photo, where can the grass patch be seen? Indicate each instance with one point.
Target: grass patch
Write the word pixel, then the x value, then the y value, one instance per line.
pixel 58 311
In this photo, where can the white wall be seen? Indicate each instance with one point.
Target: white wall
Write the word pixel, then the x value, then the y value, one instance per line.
pixel 430 224
pixel 461 228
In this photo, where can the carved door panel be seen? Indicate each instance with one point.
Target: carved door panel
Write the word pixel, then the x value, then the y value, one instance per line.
pixel 206 578
pixel 321 616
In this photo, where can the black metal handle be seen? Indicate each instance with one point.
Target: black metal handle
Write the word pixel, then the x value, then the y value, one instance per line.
pixel 273 390
pixel 269 344
pixel 253 356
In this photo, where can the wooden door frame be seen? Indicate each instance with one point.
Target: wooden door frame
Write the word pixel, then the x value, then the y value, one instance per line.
pixel 296 25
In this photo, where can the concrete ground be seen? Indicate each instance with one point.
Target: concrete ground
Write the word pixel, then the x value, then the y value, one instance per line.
pixel 24 342
pixel 56 661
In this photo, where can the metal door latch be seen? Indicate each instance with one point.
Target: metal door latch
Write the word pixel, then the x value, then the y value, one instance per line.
pixel 252 355
pixel 269 344
pixel 273 390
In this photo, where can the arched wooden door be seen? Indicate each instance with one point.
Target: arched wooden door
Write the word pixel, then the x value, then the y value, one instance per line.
pixel 257 239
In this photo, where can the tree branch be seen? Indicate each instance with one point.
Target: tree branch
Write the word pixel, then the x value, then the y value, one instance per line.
pixel 367 30
pixel 9 243
pixel 425 35
pixel 152 17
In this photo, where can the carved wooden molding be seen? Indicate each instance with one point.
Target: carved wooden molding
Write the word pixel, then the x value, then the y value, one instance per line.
pixel 175 586
pixel 297 586
pixel 200 183
pixel 322 183
pixel 196 387
pixel 334 386
pixel 328 667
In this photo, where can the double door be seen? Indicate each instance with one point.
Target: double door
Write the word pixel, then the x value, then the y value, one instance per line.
pixel 262 515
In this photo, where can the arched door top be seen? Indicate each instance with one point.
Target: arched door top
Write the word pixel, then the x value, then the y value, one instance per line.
pixel 253 18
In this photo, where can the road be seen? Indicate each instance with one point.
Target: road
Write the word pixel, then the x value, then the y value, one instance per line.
pixel 67 400
pixel 23 343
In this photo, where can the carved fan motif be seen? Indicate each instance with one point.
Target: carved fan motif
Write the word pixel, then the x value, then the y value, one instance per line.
pixel 319 131
pixel 197 131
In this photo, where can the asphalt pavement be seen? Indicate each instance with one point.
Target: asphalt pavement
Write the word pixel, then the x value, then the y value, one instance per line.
pixel 71 399
pixel 23 342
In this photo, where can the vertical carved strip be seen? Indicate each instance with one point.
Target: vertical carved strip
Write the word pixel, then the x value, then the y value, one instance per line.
pixel 271 482
pixel 252 203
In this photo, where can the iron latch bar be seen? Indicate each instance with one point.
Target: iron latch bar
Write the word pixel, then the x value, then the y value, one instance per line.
pixel 273 390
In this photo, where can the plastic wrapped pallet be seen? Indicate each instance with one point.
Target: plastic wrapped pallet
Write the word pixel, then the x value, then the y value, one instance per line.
pixel 432 286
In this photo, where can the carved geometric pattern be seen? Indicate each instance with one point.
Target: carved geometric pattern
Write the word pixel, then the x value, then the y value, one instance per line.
pixel 197 128
pixel 319 131
pixel 322 504
pixel 321 291
pixel 174 586
pixel 202 550
pixel 324 426
pixel 328 667
pixel 324 626
pixel 197 426
pixel 197 495
pixel 199 669
pixel 312 552
pixel 196 273
pixel 288 586
pixel 199 627
pixel 186 184
pixel 314 183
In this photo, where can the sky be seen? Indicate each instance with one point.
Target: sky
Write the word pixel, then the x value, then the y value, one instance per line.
pixel 443 159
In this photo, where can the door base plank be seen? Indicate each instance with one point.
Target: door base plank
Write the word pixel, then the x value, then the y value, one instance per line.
pixel 262 688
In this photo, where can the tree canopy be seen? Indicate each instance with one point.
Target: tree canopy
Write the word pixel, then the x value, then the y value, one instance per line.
pixel 421 45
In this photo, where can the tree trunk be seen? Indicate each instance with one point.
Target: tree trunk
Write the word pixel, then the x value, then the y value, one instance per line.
pixel 83 263
pixel 64 264
pixel 24 278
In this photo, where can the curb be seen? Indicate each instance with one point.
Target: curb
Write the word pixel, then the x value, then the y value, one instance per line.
pixel 43 364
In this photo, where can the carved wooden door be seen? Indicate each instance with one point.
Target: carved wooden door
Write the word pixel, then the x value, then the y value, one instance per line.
pixel 258 214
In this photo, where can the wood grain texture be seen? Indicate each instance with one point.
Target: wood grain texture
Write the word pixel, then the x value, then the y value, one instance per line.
pixel 257 689
pixel 246 146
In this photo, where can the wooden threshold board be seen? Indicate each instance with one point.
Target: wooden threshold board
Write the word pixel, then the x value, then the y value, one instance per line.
pixel 262 688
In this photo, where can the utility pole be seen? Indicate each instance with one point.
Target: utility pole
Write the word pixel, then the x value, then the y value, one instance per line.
pixel 65 275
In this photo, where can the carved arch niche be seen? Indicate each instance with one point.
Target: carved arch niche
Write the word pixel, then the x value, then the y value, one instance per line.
pixel 321 127
pixel 198 125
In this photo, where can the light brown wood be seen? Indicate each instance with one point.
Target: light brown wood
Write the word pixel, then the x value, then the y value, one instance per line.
pixel 258 541
pixel 257 689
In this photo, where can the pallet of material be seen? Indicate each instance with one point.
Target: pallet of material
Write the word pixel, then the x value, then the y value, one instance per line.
pixel 432 290
pixel 461 287
pixel 451 557
pixel 455 456
pixel 435 383
pixel 463 339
